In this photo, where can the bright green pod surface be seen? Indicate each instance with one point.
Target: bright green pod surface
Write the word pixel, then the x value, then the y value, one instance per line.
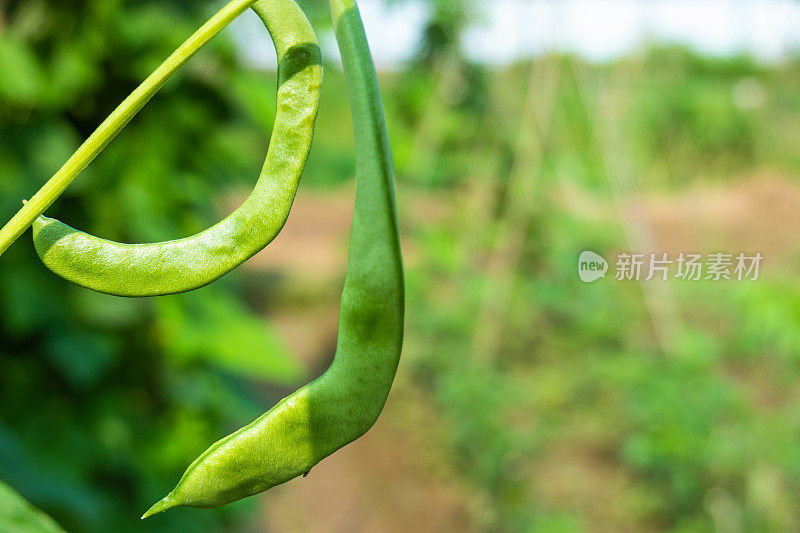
pixel 19 516
pixel 189 263
pixel 345 402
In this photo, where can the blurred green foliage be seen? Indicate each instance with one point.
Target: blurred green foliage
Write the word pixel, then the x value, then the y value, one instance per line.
pixel 103 400
pixel 18 515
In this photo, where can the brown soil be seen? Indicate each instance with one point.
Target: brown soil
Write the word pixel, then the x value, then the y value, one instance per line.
pixel 757 215
pixel 754 215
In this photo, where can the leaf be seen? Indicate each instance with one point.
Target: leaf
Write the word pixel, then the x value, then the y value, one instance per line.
pixel 19 516
pixel 21 77
pixel 209 325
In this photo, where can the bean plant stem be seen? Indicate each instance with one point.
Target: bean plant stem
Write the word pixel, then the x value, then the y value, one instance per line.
pixel 115 123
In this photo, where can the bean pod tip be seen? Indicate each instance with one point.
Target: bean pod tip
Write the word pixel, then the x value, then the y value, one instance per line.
pixel 162 505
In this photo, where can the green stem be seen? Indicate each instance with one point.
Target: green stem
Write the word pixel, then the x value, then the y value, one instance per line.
pixel 115 123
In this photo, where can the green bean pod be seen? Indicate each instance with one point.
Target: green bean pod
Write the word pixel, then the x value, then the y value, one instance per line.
pixel 189 263
pixel 345 402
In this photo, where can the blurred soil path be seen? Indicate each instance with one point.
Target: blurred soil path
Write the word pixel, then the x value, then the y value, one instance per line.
pixel 757 214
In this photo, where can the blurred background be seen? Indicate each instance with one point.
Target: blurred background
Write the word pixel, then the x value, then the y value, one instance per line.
pixel 524 132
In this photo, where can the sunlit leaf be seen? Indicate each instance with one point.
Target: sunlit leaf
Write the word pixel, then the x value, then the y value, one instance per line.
pixel 19 516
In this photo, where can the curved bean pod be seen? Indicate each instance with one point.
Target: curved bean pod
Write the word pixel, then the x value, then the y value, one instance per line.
pixel 345 402
pixel 186 264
